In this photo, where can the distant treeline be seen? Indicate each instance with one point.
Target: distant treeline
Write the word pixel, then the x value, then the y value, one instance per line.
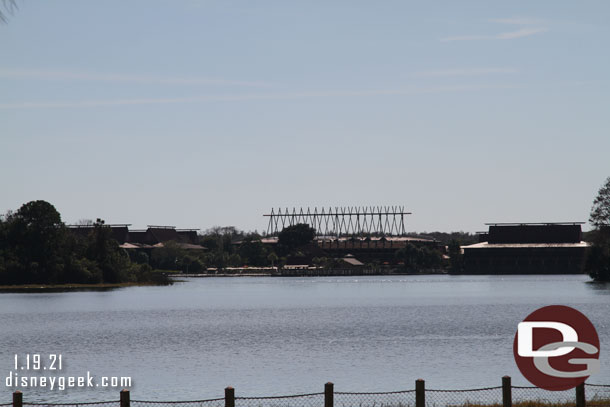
pixel 37 248
pixel 230 247
pixel 463 238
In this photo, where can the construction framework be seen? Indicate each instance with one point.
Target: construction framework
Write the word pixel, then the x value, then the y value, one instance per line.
pixel 342 221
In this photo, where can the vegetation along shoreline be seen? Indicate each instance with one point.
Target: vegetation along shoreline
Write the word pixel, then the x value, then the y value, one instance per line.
pixel 39 252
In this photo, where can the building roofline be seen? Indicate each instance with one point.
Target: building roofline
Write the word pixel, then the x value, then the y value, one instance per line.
pixel 486 245
pixel 112 225
pixel 533 223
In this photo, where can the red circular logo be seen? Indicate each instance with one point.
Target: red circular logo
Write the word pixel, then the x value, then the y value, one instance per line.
pixel 556 348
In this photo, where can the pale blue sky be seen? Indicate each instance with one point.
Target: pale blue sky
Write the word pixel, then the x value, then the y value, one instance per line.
pixel 203 113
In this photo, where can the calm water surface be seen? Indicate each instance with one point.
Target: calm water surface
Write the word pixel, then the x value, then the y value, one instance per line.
pixel 268 336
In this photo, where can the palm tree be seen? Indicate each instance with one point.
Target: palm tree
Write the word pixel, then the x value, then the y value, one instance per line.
pixel 272 258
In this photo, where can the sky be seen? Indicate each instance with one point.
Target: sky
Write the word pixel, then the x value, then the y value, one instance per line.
pixel 209 113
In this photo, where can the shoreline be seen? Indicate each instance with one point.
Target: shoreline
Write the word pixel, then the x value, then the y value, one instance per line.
pixel 35 288
pixel 175 278
pixel 311 273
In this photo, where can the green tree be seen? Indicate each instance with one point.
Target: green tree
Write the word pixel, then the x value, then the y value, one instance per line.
pixel 295 236
pixel 456 257
pixel 272 257
pixel 196 266
pixel 36 247
pixel 600 212
pixel 418 258
pixel 35 236
pixel 408 255
pixel 168 257
pixel 598 259
pixel 253 252
pixel 235 260
pixel 112 260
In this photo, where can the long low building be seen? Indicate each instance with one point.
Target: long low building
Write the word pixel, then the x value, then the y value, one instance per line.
pixel 527 248
pixel 150 238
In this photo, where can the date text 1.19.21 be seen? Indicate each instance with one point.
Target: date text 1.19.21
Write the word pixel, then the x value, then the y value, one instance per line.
pixel 36 361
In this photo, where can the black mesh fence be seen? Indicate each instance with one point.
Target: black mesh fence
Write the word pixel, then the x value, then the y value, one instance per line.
pixel 596 395
pixel 90 404
pixel 383 399
pixel 488 396
pixel 190 403
pixel 297 400
pixel 535 396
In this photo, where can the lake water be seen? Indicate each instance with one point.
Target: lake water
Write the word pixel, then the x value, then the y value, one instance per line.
pixel 269 336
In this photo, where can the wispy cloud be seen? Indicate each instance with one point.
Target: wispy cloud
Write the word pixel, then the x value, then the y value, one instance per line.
pixel 124 78
pixel 466 38
pixel 518 21
pixel 468 72
pixel 531 27
pixel 524 32
pixel 248 97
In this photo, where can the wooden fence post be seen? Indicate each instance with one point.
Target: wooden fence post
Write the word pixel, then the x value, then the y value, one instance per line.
pixel 329 394
pixel 507 396
pixel 420 393
pixel 580 396
pixel 229 397
pixel 125 398
pixel 17 399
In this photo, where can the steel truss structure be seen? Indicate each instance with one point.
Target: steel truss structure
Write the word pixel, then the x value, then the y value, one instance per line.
pixel 342 221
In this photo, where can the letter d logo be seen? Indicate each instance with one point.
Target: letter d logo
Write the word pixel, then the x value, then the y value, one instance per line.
pixel 525 338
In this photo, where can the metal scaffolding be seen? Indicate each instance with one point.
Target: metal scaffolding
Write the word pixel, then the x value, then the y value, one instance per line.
pixel 342 221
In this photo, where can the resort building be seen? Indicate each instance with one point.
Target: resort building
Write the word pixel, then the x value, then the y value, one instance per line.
pixel 527 248
pixel 150 238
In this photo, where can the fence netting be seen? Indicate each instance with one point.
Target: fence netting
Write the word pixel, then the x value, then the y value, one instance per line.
pixel 596 395
pixel 220 402
pixel 297 400
pixel 535 396
pixel 89 404
pixel 488 396
pixel 384 399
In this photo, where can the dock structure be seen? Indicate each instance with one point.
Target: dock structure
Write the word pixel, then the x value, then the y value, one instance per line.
pixel 342 221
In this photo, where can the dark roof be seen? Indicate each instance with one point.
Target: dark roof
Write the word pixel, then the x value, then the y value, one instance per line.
pixel 188 235
pixel 534 223
pixel 143 237
pixel 186 246
pixel 138 236
pixel 118 232
pixel 534 233
pixel 485 245
pixel 163 234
